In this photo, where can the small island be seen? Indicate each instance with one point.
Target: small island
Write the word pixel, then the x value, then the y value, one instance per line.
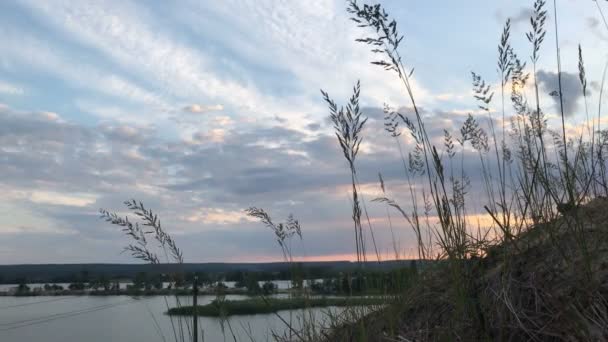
pixel 222 308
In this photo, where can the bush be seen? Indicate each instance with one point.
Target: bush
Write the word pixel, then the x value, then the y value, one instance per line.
pixel 269 287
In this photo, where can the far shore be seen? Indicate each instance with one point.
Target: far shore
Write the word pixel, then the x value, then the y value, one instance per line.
pixel 131 292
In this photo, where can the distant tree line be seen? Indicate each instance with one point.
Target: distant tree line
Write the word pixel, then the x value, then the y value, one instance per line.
pixel 316 280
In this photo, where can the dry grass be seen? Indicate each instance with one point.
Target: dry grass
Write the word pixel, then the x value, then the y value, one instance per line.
pixel 539 271
pixel 534 295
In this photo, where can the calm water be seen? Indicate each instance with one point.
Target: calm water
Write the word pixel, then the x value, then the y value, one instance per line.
pixel 120 318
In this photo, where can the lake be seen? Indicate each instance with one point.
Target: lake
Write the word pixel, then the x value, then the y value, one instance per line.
pixel 122 318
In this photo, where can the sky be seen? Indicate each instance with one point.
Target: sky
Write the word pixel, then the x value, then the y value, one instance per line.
pixel 201 109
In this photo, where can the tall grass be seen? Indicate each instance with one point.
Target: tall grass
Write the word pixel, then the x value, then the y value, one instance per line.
pixel 532 176
pixel 348 124
pixel 534 271
pixel 150 243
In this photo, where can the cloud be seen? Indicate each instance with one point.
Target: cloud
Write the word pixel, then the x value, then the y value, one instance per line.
pixel 520 16
pixel 259 81
pixel 127 34
pixel 138 115
pixel 63 172
pixel 126 133
pixel 523 16
pixel 446 96
pixel 215 135
pixel 11 89
pixel 42 151
pixel 571 90
pixel 197 108
pixel 218 216
pixel 223 121
pixel 593 24
pixel 279 119
pixel 315 126
pixel 55 198
pixel 28 51
pixel 18 219
pixel 33 230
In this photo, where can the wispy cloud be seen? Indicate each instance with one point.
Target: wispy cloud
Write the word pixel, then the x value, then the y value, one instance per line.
pixel 197 108
pixel 11 89
pixel 56 198
pixel 201 109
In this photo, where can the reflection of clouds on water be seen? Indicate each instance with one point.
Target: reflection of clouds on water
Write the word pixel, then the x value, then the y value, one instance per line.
pixel 130 321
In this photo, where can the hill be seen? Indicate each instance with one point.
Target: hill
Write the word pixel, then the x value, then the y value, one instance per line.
pixel 542 286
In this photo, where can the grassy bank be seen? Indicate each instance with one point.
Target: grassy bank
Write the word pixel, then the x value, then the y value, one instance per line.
pixel 269 305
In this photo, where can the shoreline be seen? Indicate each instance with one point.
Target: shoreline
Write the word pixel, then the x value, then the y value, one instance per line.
pixel 123 292
pixel 256 306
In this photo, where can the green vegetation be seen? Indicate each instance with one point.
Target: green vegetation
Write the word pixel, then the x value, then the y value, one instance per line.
pixel 219 308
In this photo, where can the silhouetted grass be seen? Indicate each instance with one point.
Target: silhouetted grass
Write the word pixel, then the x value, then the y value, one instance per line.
pixel 535 272
pixel 146 225
pixel 543 190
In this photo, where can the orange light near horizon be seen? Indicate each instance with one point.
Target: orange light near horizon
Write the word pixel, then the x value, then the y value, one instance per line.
pixel 332 257
pixel 371 257
pixel 268 258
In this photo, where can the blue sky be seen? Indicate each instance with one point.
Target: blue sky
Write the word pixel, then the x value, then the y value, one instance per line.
pixel 201 109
